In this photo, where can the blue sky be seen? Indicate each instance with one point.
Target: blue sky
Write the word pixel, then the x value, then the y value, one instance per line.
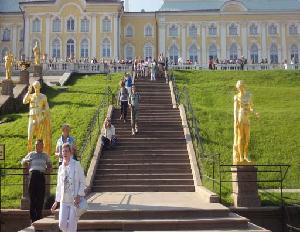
pixel 148 5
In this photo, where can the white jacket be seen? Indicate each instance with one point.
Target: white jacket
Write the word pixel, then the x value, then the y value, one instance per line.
pixel 77 177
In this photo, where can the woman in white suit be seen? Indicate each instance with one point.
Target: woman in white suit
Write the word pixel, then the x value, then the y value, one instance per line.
pixel 70 187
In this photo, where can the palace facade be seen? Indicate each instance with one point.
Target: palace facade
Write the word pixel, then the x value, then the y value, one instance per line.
pixel 195 30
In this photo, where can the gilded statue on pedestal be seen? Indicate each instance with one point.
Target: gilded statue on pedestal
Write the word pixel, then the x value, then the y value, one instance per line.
pixel 36 53
pixel 39 126
pixel 8 59
pixel 243 106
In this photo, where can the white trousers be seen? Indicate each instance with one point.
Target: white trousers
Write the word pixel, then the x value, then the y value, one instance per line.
pixel 67 217
pixel 153 76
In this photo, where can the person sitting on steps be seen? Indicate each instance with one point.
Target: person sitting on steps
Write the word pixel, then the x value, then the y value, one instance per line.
pixel 108 138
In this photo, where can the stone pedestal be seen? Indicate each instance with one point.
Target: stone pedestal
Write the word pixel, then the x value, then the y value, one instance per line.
pixel 38 72
pixel 244 186
pixel 24 77
pixel 7 88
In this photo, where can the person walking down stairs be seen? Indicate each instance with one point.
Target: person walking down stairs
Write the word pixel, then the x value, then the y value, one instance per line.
pixel 134 102
pixel 123 100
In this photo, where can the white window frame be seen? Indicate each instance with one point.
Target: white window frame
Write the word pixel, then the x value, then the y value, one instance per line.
pixel 56 25
pixel 36 25
pixel 106 50
pixel 106 25
pixel 84 25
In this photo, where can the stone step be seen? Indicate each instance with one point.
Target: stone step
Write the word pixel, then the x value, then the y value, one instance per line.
pixel 144 188
pixel 152 140
pixel 154 151
pixel 145 157
pixel 154 214
pixel 149 166
pixel 142 171
pixel 205 223
pixel 143 134
pixel 150 182
pixel 139 161
pixel 142 176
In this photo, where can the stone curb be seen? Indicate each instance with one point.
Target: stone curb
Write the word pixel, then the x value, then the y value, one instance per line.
pixel 97 154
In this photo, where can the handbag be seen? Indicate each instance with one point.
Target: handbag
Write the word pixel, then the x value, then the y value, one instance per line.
pixel 82 207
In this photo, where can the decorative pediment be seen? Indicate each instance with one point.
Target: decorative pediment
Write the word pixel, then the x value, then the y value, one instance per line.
pixel 233 6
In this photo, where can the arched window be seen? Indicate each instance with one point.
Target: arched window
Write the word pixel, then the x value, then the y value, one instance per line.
pixel 213 52
pixel 212 30
pixel 36 25
pixel 173 31
pixel 174 53
pixel 293 29
pixel 70 48
pixel 193 53
pixel 129 31
pixel 253 29
pixel 129 52
pixel 84 48
pixel 193 31
pixel 84 25
pixel 106 48
pixel 233 52
pixel 148 51
pixel 233 30
pixel 3 54
pixel 295 53
pixel 56 25
pixel 56 48
pixel 6 35
pixel 148 30
pixel 254 54
pixel 272 29
pixel 273 54
pixel 70 25
pixel 106 24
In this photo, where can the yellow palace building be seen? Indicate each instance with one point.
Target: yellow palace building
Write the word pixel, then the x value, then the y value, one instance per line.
pixel 195 30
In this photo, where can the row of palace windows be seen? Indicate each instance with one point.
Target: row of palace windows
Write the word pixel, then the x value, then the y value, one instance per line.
pixel 148 31
pixel 148 52
pixel 233 30
pixel 71 25
pixel 233 53
pixel 84 48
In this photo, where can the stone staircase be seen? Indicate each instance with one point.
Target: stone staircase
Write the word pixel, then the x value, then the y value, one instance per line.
pixel 146 182
pixel 156 159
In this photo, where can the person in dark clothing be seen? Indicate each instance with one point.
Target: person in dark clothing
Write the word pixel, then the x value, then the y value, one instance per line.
pixel 38 163
pixel 123 100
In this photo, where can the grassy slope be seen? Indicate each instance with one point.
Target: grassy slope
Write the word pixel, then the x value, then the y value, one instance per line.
pixel 75 106
pixel 274 136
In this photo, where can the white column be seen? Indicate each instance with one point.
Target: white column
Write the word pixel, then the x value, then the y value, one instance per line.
pixel 15 39
pixel 116 36
pixel 26 38
pixel 162 39
pixel 223 40
pixel 47 45
pixel 183 42
pixel 283 43
pixel 263 41
pixel 244 32
pixel 203 46
pixel 94 36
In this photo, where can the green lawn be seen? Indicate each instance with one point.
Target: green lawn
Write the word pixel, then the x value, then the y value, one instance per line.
pixel 274 136
pixel 75 105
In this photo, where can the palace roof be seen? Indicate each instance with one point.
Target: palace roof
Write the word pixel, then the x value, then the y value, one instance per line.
pixel 216 5
pixel 12 6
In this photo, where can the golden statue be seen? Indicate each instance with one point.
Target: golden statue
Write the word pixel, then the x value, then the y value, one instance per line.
pixel 9 59
pixel 36 52
pixel 39 117
pixel 243 106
